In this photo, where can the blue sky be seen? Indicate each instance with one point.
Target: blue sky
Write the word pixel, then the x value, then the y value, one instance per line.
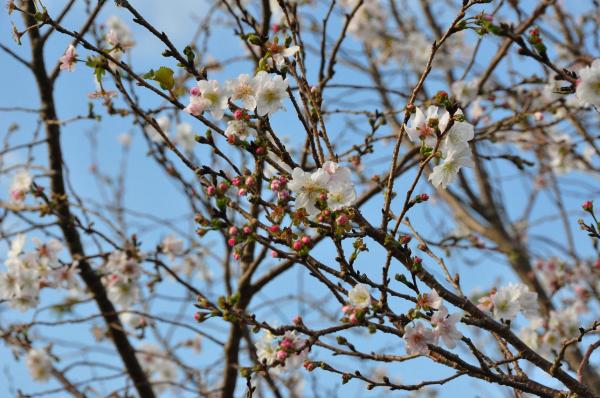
pixel 151 192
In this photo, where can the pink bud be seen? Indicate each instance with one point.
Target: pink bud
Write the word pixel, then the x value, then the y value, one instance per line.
pixel 260 150
pixel 211 190
pixel 287 344
pixel 283 180
pixel 327 213
pixel 250 181
pixel 231 242
pixel 275 185
pixel 297 320
pixel 275 27
pixel 232 139
pixel 197 316
pixel 283 195
pixel 347 309
pixel 223 186
pixel 274 254
pixel 233 231
pixel 306 240
pixel 236 181
pixel 297 245
pixel 243 192
pixel 195 91
pixel 281 355
pixel 539 116
pixel 588 205
pixel 417 260
pixel 424 197
pixel 247 230
pixel 353 319
pixel 274 228
pixel 323 196
pixel 238 114
pixel 342 219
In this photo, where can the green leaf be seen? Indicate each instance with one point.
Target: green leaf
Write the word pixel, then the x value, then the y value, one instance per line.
pixel 164 77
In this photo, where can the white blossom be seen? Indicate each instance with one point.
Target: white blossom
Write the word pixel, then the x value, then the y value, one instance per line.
pixel 588 85
pixel 266 349
pixel 39 364
pixel 359 296
pixel 21 184
pixel 423 126
pixel 444 173
pixel 119 33
pixel 185 137
pixel 417 339
pixel 164 123
pixel 308 188
pixel 172 246
pixel 445 326
pixel 211 97
pixel 243 89
pixel 271 93
pixel 240 129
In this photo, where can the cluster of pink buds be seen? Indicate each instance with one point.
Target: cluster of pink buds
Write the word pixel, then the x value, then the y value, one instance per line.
pixel 303 243
pixel 279 185
pixel 243 184
pixel 325 214
pixel 276 27
pixel 217 190
pixel 353 314
pixel 237 235
pixel 289 345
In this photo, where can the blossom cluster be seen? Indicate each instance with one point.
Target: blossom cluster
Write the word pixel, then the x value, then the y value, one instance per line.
pixel 29 272
pixel 508 301
pixel 272 351
pixel 264 93
pixel 122 273
pixel 359 300
pixel 39 364
pixel 20 186
pixel 418 337
pixel 161 370
pixel 588 85
pixel 454 134
pixel 329 186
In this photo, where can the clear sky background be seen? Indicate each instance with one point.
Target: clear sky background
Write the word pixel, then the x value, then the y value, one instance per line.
pixel 150 191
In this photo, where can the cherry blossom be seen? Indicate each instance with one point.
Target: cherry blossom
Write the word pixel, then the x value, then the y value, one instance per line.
pixel 424 126
pixel 243 89
pixel 185 137
pixel 271 92
pixel 239 129
pixel 172 246
pixel 359 296
pixel 21 184
pixel 588 86
pixel 444 173
pixel 417 338
pixel 39 364
pixel 67 61
pixel 210 97
pixel 445 326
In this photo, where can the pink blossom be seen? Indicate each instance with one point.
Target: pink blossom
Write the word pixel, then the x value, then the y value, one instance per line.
pixel 67 61
pixel 418 338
